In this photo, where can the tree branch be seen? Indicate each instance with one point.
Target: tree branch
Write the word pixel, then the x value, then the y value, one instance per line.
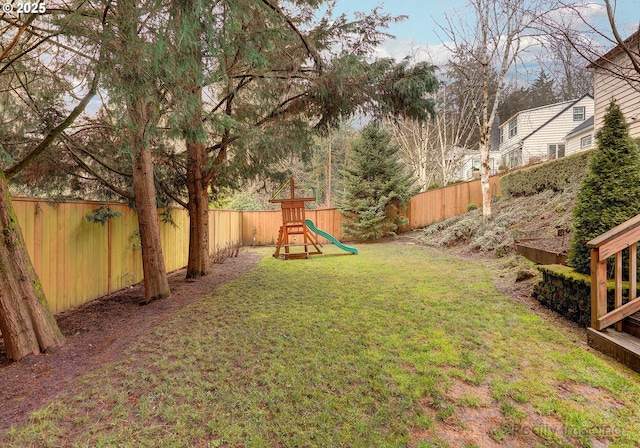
pixel 621 43
pixel 14 42
pixel 100 162
pixel 55 132
pixel 169 193
pixel 310 49
pixel 102 180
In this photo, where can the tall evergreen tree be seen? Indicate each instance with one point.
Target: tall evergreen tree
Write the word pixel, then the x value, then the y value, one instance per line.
pixel 273 74
pixel 542 91
pixel 32 117
pixel 610 194
pixel 376 187
pixel 133 68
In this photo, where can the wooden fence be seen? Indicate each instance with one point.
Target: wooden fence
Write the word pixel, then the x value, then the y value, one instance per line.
pixel 261 228
pixel 78 260
pixel 443 203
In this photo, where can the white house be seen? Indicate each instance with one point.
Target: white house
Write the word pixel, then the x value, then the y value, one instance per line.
pixel 581 138
pixel 470 165
pixel 538 134
pixel 470 160
pixel 615 78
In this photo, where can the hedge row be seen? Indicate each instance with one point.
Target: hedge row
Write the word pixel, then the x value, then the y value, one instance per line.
pixel 554 175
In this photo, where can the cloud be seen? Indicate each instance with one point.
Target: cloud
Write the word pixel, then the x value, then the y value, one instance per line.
pixel 401 48
pixel 576 14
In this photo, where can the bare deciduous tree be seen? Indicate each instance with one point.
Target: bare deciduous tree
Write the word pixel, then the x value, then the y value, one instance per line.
pixel 435 149
pixel 566 66
pixel 494 41
pixel 576 24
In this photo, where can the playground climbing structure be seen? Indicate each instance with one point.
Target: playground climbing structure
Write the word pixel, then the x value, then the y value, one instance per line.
pixel 294 231
pixel 297 231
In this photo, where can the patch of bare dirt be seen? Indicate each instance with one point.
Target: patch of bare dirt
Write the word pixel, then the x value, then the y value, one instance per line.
pixel 99 333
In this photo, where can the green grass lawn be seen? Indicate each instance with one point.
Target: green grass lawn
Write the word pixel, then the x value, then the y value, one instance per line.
pixel 398 346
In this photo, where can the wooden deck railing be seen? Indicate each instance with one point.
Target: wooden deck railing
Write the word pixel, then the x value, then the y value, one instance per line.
pixel 611 244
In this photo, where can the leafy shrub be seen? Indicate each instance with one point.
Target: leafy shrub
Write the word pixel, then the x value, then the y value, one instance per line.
pixel 555 175
pixel 472 206
pixel 244 201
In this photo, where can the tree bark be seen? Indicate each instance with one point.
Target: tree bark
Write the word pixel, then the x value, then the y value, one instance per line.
pixel 198 206
pixel 189 52
pixel 27 325
pixel 156 283
pixel 141 101
pixel 329 186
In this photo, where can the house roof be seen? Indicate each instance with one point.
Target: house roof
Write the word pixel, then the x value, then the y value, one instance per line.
pixel 557 115
pixel 505 122
pixel 614 51
pixel 586 124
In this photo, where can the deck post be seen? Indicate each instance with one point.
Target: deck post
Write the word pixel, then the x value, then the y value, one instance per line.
pixel 594 288
pixel 618 291
pixel 633 271
pixel 598 288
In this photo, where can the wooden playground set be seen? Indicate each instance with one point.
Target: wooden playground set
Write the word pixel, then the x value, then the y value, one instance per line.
pixel 297 231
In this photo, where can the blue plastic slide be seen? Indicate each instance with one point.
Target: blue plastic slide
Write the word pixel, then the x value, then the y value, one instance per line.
pixel 330 237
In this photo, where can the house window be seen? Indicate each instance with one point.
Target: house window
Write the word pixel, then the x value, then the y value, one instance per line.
pixel 514 158
pixel 578 113
pixel 555 151
pixel 585 142
pixel 501 135
pixel 476 163
pixel 513 128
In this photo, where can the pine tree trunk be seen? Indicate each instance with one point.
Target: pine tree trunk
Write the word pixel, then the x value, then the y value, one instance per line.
pixel 190 52
pixel 198 263
pixel 141 102
pixel 156 283
pixel 27 325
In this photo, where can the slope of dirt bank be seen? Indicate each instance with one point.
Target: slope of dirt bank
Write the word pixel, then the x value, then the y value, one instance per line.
pixel 544 220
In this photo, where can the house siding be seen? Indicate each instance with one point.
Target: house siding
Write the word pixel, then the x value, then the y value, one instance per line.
pixel 608 87
pixel 466 167
pixel 554 132
pixel 573 143
pixel 528 121
pixel 539 127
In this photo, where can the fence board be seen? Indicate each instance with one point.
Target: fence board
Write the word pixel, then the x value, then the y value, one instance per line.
pixel 78 261
pixel 47 272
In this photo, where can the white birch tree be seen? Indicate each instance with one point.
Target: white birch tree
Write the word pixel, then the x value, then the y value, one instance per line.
pixel 495 41
pixel 435 148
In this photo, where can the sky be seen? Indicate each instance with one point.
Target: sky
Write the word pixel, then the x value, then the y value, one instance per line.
pixel 421 36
